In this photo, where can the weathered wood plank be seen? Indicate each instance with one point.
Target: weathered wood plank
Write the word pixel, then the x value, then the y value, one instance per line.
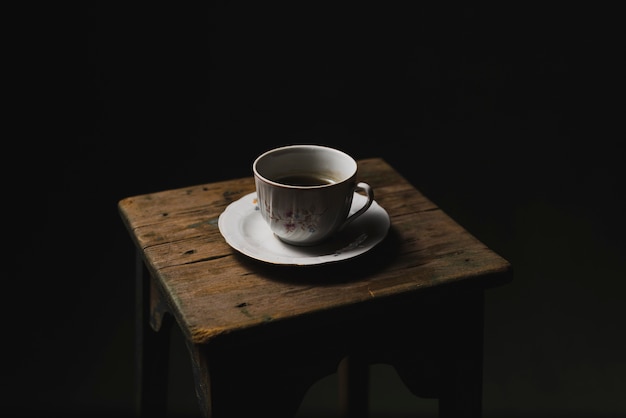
pixel 216 290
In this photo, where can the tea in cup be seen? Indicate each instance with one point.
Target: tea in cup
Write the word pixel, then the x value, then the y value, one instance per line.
pixel 305 192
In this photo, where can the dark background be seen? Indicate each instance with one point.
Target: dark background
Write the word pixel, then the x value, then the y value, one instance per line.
pixel 510 119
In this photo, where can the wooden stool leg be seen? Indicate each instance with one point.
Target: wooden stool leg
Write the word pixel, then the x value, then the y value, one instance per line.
pixel 461 392
pixel 353 376
pixel 152 343
pixel 236 380
pixel 200 369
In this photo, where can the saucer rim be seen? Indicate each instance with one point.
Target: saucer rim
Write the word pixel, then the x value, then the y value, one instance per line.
pixel 237 209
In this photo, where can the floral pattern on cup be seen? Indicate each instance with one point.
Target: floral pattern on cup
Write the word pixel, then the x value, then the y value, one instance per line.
pixel 303 219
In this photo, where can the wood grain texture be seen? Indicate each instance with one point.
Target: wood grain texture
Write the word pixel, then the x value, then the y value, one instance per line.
pixel 214 290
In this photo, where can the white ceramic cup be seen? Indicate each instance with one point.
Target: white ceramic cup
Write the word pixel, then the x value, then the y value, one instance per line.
pixel 305 192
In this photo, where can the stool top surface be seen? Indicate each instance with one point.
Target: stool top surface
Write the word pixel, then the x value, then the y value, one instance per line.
pixel 212 289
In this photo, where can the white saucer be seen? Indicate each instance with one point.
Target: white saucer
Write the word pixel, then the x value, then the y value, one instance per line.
pixel 244 229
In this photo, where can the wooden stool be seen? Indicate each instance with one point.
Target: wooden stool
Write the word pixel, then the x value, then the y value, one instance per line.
pixel 260 335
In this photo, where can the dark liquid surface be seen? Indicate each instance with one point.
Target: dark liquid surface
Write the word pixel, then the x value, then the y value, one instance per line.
pixel 303 180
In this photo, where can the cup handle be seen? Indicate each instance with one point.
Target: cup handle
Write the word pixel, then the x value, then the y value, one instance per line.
pixel 367 189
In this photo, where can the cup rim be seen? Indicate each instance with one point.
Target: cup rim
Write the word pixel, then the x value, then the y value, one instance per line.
pixel 303 146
